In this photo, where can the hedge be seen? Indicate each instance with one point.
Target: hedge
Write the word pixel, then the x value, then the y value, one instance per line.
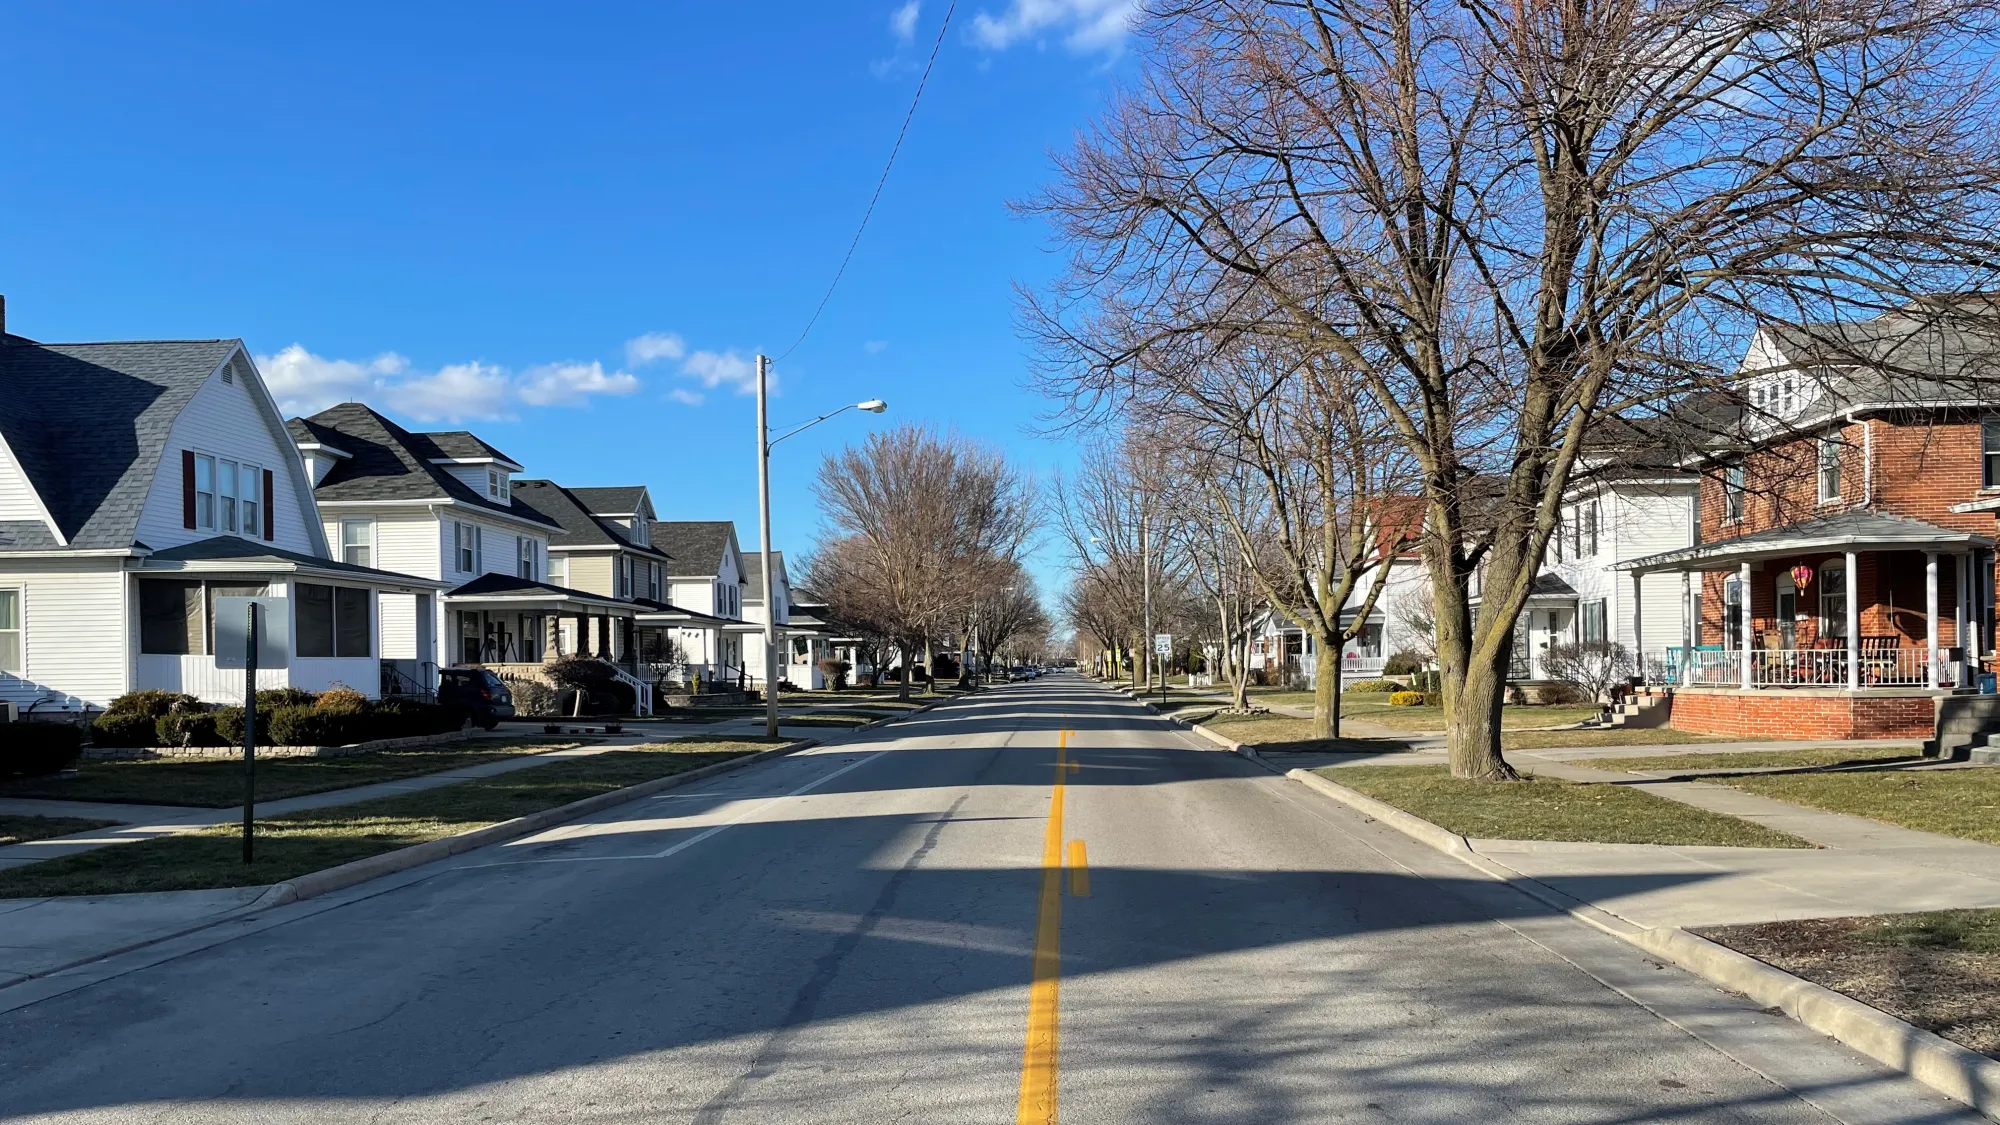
pixel 1374 687
pixel 338 718
pixel 32 749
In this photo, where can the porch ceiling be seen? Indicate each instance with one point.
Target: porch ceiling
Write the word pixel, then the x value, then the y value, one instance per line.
pixel 1848 531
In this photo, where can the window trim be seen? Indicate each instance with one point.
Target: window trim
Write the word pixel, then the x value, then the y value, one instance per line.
pixel 1590 529
pixel 19 631
pixel 1822 464
pixel 524 557
pixel 250 499
pixel 1733 491
pixel 205 461
pixel 370 546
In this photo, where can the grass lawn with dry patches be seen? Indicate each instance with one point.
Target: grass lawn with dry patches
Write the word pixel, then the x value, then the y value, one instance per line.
pixel 299 843
pixel 21 829
pixel 1281 733
pixel 1960 802
pixel 1938 970
pixel 1803 757
pixel 218 783
pixel 1608 736
pixel 1551 809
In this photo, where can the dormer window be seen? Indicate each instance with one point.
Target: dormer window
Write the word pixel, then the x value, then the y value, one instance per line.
pixel 492 484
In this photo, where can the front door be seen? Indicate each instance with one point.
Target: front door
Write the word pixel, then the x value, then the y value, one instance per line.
pixel 1787 602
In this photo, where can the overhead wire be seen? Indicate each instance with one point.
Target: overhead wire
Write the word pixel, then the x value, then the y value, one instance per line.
pixel 879 183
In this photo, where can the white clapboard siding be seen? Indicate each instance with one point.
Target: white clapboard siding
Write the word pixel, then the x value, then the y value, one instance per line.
pixel 1650 520
pixel 198 676
pixel 225 420
pixel 17 496
pixel 74 639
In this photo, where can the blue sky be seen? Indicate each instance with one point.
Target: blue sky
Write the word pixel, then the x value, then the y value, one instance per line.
pixel 567 228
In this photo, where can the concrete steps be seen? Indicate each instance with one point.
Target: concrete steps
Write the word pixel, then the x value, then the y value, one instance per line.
pixel 1640 712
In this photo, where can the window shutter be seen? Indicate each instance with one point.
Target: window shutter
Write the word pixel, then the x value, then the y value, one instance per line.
pixel 187 488
pixel 269 523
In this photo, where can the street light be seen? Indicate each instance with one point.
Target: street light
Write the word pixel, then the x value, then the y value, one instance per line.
pixel 764 443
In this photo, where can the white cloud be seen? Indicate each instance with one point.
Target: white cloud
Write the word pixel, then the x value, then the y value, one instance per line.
pixel 875 347
pixel 686 397
pixel 572 384
pixel 1085 25
pixel 652 347
pixel 903 22
pixel 716 369
pixel 305 383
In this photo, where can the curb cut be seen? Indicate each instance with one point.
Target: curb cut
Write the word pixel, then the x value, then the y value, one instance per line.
pixel 1957 1072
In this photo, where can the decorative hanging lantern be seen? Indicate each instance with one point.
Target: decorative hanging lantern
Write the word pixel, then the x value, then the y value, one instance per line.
pixel 1801 575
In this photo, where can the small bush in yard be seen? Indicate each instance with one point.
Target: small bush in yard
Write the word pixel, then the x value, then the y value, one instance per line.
pixel 270 699
pixel 305 726
pixel 229 725
pixel 1413 699
pixel 1403 663
pixel 123 728
pixel 152 704
pixel 531 697
pixel 187 728
pixel 341 700
pixel 836 672
pixel 1374 687
pixel 33 749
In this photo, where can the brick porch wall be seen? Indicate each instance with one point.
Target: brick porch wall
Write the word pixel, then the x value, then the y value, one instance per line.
pixel 1802 715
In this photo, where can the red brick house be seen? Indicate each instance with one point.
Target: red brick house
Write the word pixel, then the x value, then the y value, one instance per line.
pixel 1842 578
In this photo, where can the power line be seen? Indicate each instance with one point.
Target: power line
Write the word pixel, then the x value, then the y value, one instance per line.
pixel 879 183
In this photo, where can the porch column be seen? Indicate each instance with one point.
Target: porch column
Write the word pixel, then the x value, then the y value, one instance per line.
pixel 1958 574
pixel 1690 624
pixel 1747 634
pixel 1930 619
pixel 1638 628
pixel 1853 622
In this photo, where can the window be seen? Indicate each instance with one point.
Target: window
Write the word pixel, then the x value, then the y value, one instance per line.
pixel 1593 621
pixel 1789 384
pixel 225 490
pixel 465 546
pixel 334 621
pixel 653 581
pixel 204 491
pixel 1829 468
pixel 1732 492
pixel 223 590
pixel 1556 538
pixel 357 542
pixel 526 553
pixel 558 570
pixel 170 617
pixel 10 631
pixel 1833 600
pixel 1989 442
pixel 624 576
pixel 251 494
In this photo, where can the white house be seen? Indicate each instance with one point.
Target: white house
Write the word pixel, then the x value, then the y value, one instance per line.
pixel 141 482
pixel 706 586
pixel 442 506
pixel 801 635
pixel 1278 645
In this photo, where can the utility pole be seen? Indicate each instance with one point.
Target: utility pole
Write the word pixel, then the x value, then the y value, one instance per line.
pixel 764 551
pixel 1146 577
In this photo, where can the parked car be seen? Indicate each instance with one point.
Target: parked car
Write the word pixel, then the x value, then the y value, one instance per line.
pixel 1019 673
pixel 484 697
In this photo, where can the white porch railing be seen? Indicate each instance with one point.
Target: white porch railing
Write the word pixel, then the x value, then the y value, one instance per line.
pixel 1795 667
pixel 641 690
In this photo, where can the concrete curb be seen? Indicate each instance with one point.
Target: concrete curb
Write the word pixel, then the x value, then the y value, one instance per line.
pixel 388 863
pixel 1957 1072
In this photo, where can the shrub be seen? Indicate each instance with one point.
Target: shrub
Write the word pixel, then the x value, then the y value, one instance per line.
pixel 151 704
pixel 187 728
pixel 1427 680
pixel 121 728
pixel 835 670
pixel 578 672
pixel 944 666
pixel 1409 699
pixel 1403 663
pixel 32 749
pixel 531 697
pixel 229 725
pixel 270 699
pixel 405 718
pixel 339 699
pixel 1594 669
pixel 1374 687
pixel 306 726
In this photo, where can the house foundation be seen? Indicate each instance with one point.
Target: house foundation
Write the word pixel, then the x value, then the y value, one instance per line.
pixel 1804 713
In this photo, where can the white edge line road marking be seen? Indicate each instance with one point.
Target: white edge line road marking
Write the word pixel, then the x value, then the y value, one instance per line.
pixel 692 840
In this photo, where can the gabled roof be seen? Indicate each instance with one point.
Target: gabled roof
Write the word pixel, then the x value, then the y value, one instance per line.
pixel 507 587
pixel 89 422
pixel 579 528
pixel 388 462
pixel 616 500
pixel 466 445
pixel 753 575
pixel 697 546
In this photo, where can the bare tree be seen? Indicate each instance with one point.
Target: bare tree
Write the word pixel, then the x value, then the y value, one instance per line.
pixel 1510 221
pixel 927 521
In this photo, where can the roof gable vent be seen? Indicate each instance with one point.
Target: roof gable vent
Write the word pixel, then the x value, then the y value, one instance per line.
pixel 229 372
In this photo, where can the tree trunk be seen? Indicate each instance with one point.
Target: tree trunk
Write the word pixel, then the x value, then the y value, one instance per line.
pixel 1239 676
pixel 930 665
pixel 1472 693
pixel 909 665
pixel 1325 699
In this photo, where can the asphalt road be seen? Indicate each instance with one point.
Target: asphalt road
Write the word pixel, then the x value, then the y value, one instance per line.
pixel 850 935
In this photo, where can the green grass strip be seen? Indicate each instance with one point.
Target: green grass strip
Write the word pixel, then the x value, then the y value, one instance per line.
pixel 1956 802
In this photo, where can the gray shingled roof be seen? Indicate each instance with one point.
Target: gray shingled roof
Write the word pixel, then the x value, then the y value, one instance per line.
pixel 753 575
pixel 88 422
pixel 579 528
pixel 26 535
pixel 389 462
pixel 465 444
pixel 697 546
pixel 1857 530
pixel 230 548
pixel 616 500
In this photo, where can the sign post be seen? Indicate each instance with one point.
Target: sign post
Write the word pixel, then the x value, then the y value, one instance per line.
pixel 250 733
pixel 1163 647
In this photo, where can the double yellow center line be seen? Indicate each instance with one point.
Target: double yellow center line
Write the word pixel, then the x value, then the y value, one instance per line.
pixel 1037 1104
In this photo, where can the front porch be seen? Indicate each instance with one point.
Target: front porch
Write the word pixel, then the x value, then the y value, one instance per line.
pixel 1850 626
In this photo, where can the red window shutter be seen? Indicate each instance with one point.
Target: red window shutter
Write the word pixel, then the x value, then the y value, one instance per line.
pixel 268 535
pixel 187 488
